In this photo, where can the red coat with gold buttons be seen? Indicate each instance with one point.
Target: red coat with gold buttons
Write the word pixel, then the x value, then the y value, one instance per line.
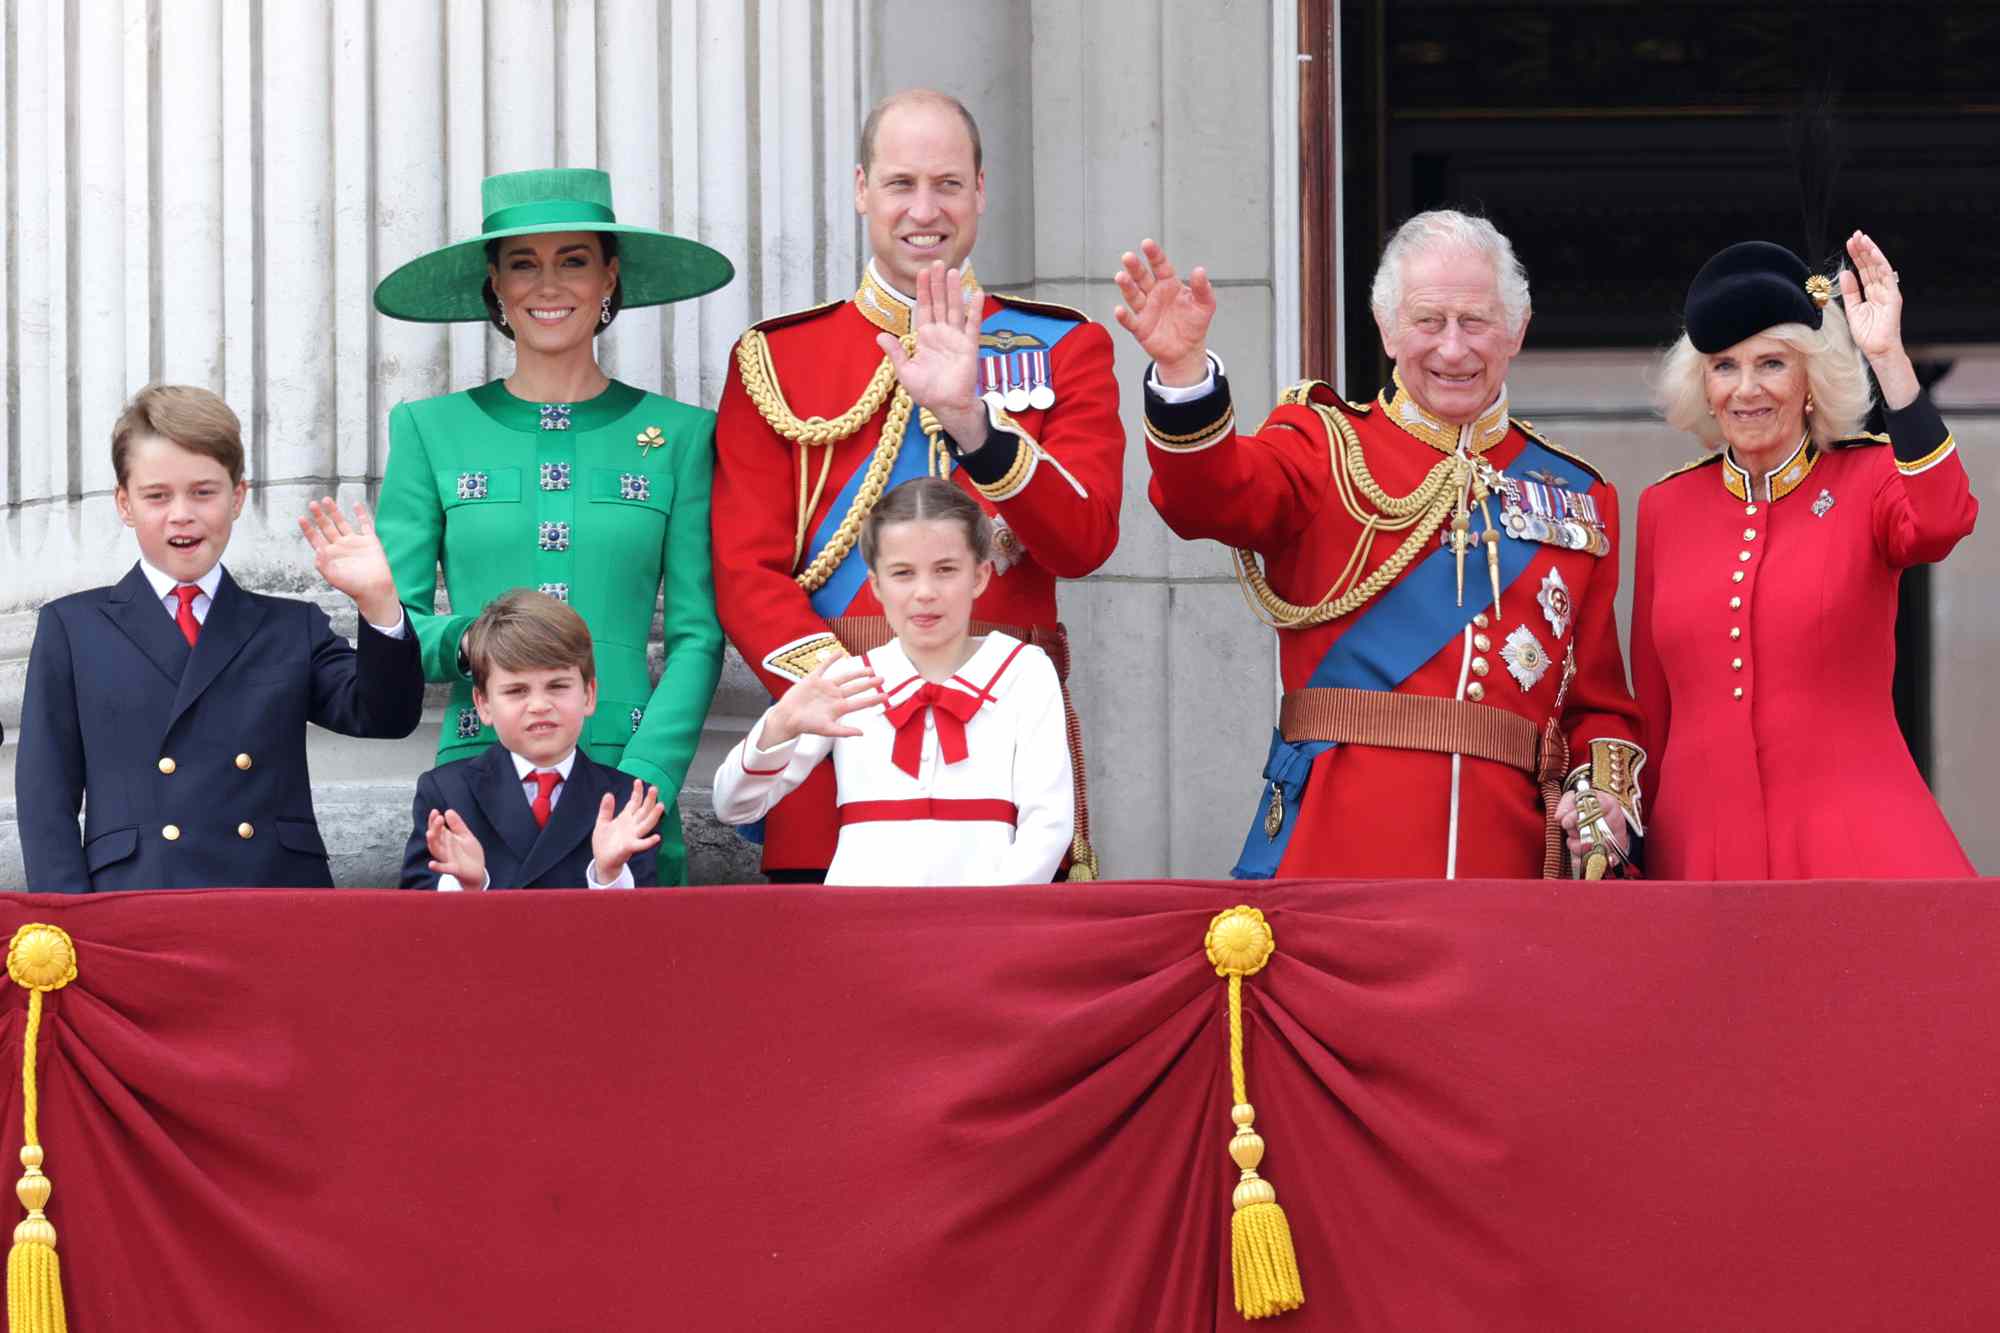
pixel 1763 645
pixel 1368 810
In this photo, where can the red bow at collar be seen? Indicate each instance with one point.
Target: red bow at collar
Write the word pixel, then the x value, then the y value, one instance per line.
pixel 952 709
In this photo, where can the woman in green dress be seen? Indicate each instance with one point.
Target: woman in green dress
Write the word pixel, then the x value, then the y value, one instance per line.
pixel 559 477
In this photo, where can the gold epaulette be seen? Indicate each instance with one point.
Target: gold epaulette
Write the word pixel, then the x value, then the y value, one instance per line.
pixel 1859 440
pixel 795 316
pixel 1308 392
pixel 1703 461
pixel 1041 307
pixel 1527 428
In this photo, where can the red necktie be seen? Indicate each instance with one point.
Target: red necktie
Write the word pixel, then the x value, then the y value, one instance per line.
pixel 190 627
pixel 546 782
pixel 952 709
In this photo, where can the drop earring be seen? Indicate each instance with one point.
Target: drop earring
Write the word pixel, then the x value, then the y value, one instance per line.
pixel 604 311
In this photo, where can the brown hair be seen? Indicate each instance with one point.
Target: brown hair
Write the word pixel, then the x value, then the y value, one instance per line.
pixel 195 419
pixel 918 97
pixel 928 498
pixel 607 245
pixel 525 630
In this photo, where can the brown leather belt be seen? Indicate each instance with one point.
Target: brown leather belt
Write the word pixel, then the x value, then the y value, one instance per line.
pixel 1410 722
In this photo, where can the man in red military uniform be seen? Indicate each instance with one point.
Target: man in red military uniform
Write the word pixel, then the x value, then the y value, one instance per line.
pixel 1441 579
pixel 828 408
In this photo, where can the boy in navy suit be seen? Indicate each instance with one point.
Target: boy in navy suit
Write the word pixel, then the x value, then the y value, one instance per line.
pixel 533 811
pixel 173 705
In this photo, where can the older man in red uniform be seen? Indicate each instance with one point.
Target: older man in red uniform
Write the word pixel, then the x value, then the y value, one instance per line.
pixel 919 372
pixel 1441 579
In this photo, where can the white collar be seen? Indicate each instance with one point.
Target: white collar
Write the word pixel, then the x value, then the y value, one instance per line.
pixel 523 767
pixel 164 584
pixel 893 665
pixel 909 303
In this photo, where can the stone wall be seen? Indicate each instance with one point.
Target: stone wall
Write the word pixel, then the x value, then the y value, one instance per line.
pixel 220 204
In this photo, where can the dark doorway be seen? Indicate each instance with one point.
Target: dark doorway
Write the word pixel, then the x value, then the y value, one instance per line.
pixel 1620 144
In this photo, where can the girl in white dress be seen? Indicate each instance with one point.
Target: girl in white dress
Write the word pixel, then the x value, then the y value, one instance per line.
pixel 950 752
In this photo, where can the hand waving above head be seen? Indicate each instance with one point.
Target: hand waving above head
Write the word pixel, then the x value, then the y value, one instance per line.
pixel 1872 296
pixel 1167 314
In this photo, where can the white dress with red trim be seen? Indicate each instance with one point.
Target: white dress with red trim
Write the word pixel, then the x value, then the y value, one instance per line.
pixel 965 781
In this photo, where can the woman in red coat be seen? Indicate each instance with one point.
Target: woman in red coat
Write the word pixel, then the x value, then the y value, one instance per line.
pixel 1764 607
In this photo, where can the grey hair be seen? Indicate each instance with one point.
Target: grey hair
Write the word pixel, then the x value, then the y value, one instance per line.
pixel 1448 229
pixel 1835 377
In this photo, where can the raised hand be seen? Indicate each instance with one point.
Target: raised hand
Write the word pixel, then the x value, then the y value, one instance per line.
pixel 454 850
pixel 621 835
pixel 1873 300
pixel 821 698
pixel 1168 315
pixel 942 373
pixel 350 558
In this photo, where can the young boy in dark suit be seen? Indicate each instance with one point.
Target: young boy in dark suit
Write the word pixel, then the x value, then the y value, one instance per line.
pixel 532 811
pixel 172 706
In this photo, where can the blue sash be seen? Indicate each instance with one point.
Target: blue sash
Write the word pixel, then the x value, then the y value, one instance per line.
pixel 836 595
pixel 1403 628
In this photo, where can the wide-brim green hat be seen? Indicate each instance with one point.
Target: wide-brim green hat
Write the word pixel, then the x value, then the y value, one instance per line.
pixel 446 285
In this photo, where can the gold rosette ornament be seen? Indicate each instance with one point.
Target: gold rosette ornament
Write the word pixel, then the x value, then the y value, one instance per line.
pixel 40 958
pixel 1819 288
pixel 1261 1259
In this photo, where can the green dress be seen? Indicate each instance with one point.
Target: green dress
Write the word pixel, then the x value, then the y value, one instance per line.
pixel 601 503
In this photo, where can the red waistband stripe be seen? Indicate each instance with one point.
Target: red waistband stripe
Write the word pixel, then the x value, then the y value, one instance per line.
pixel 962 810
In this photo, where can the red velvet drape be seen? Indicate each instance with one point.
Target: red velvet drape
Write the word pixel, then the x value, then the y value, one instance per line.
pixel 1507 1105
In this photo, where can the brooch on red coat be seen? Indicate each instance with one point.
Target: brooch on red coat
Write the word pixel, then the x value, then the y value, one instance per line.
pixel 1527 661
pixel 1007 546
pixel 1554 598
pixel 1823 503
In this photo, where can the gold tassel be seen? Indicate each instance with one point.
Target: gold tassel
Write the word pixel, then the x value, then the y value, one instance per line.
pixel 1262 1262
pixel 40 958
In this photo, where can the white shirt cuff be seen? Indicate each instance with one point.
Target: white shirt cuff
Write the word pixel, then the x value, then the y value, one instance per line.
pixel 450 884
pixel 1185 393
pixel 395 631
pixel 624 880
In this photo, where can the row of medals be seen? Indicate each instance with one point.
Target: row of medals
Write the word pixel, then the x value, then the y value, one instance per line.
pixel 1017 381
pixel 1550 515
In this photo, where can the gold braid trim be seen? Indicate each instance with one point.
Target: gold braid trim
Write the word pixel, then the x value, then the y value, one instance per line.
pixel 760 382
pixel 1423 511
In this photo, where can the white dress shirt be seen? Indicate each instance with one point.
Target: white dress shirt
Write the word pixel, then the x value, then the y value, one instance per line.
pixel 530 789
pixel 164 585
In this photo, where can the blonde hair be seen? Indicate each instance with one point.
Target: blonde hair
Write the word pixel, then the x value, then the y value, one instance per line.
pixel 1836 378
pixel 927 498
pixel 527 630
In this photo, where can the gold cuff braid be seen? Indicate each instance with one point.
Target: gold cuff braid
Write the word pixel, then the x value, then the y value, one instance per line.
pixel 1016 476
pixel 1614 768
pixel 1193 440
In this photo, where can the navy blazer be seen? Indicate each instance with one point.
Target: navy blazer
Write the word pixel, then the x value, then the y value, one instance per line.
pixel 190 763
pixel 488 794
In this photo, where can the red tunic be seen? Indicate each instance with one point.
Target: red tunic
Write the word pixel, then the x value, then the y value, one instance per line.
pixel 1061 518
pixel 1366 810
pixel 1763 644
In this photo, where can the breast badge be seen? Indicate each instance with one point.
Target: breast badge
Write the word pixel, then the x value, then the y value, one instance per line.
pixel 1554 598
pixel 1823 503
pixel 1527 661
